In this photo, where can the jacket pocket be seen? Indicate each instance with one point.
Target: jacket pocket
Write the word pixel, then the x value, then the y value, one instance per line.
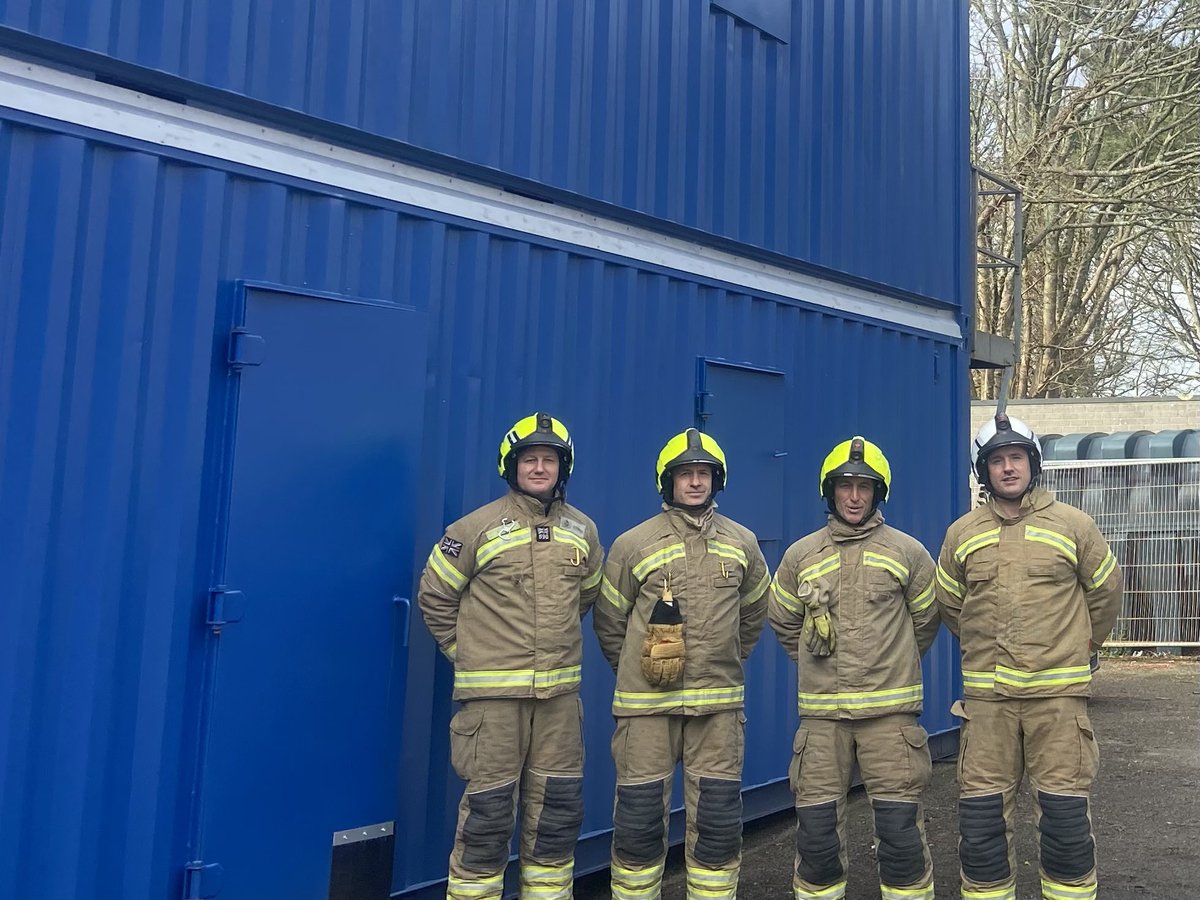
pixel 728 582
pixel 557 602
pixel 982 570
pixel 464 741
pixel 572 571
pixel 1048 565
pixel 882 586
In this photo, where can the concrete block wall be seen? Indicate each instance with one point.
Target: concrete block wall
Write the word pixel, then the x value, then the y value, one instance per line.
pixel 1107 415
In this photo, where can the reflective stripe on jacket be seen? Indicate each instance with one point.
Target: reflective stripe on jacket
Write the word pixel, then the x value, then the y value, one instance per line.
pixel 719 580
pixel 503 592
pixel 1026 595
pixel 883 612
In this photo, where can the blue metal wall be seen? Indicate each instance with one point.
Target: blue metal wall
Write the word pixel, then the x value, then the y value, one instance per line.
pixel 843 146
pixel 120 265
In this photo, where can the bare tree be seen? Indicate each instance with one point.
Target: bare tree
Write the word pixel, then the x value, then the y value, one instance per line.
pixel 1092 107
pixel 1165 356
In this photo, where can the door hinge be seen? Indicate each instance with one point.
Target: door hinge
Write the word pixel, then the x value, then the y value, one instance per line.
pixel 224 607
pixel 246 349
pixel 201 880
pixel 702 413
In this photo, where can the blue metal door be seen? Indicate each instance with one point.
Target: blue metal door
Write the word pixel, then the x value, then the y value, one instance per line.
pixel 743 407
pixel 305 703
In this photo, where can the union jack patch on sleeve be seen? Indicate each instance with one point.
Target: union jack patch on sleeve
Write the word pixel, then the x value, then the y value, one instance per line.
pixel 451 547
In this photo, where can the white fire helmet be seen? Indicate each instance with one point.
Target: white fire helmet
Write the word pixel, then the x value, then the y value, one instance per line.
pixel 1005 431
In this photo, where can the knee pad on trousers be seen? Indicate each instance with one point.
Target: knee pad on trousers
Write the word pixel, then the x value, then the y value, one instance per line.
pixel 818 845
pixel 983 844
pixel 488 829
pixel 639 836
pixel 901 852
pixel 1068 850
pixel 562 815
pixel 718 821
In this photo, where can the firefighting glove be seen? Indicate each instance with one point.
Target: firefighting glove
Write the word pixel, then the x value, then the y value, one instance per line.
pixel 818 633
pixel 663 649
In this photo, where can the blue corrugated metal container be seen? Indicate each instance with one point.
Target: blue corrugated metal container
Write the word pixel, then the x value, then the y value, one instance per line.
pixel 277 277
pixel 844 146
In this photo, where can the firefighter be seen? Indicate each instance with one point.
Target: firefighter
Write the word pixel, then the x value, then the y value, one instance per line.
pixel 683 603
pixel 1029 586
pixel 853 605
pixel 503 593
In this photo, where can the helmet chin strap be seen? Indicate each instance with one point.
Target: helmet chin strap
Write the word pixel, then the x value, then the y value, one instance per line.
pixel 668 491
pixel 558 492
pixel 1034 477
pixel 875 501
pixel 1033 482
pixel 675 504
pixel 837 515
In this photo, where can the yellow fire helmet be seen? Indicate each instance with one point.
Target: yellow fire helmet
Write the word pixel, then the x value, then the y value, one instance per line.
pixel 539 430
pixel 690 446
pixel 857 456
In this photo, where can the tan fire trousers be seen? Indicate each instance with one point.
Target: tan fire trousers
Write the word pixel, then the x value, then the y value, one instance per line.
pixel 646 750
pixel 510 751
pixel 1052 740
pixel 893 757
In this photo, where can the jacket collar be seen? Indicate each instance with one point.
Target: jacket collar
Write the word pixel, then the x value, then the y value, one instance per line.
pixel 531 506
pixel 842 532
pixel 1037 499
pixel 682 521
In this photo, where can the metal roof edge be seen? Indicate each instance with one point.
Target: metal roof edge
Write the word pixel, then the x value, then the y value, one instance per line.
pixel 71 98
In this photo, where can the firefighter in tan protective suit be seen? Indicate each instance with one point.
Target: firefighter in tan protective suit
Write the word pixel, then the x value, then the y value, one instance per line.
pixel 1029 586
pixel 683 603
pixel 503 594
pixel 853 605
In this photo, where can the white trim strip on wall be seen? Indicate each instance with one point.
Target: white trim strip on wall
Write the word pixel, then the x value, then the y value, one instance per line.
pixel 69 98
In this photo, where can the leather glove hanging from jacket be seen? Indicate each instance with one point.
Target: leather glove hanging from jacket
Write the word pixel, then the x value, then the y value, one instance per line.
pixel 818 632
pixel 662 651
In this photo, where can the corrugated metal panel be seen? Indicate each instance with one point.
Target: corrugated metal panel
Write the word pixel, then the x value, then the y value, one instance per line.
pixel 844 147
pixel 102 388
pixel 613 360
pixel 110 349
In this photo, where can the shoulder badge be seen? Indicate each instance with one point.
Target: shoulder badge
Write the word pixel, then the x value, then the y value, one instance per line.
pixel 569 524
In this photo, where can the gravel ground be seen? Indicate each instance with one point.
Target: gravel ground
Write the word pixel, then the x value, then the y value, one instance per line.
pixel 1145 804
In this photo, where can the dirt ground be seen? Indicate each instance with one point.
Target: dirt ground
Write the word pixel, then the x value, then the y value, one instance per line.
pixel 1145 804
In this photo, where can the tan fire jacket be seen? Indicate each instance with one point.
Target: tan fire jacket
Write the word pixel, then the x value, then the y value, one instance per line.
pixel 883 612
pixel 503 593
pixel 1025 595
pixel 719 580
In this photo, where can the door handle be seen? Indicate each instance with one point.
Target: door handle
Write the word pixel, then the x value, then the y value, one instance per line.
pixel 404 608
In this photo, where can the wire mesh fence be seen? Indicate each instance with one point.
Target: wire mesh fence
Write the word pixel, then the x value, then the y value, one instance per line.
pixel 1149 511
